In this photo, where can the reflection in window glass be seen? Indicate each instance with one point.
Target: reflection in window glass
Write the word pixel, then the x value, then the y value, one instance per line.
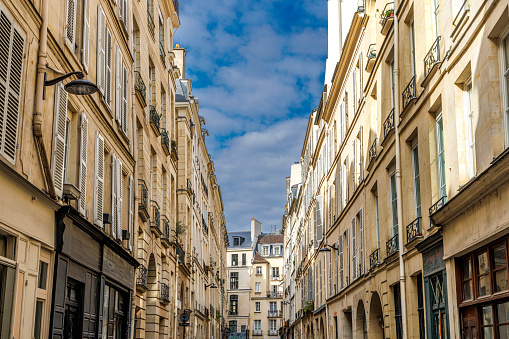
pixel 38 319
pixel 43 275
pixel 487 322
pixel 483 273
pixel 467 280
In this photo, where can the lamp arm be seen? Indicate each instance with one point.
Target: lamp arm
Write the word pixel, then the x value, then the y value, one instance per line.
pixel 55 81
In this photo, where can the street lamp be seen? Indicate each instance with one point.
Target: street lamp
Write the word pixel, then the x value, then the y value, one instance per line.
pixel 328 248
pixel 210 285
pixel 79 86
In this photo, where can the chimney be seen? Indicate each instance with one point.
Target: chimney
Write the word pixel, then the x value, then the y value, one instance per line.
pixel 180 60
pixel 256 229
pixel 333 39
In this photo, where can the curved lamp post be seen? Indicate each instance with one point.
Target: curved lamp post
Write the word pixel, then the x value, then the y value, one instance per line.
pixel 79 86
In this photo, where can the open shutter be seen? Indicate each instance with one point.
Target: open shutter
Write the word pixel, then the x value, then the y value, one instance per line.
pixel 361 243
pixel 354 176
pixel 123 12
pixel 354 92
pixel 346 261
pixel 131 211
pixel 341 262
pixel 107 94
pixel 120 195
pixel 361 70
pixel 99 180
pixel 101 49
pixel 83 163
pixel 11 70
pixel 70 22
pixel 118 86
pixel 354 247
pixel 319 218
pixel 125 89
pixel 59 130
pixel 114 199
pixel 361 158
pixel 86 34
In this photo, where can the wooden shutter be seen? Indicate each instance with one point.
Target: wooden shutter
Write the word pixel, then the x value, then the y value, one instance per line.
pixel 361 157
pixel 361 243
pixel 101 49
pixel 341 187
pixel 341 262
pixel 107 94
pixel 86 34
pixel 123 12
pixel 361 70
pixel 120 195
pixel 354 247
pixel 346 261
pixel 354 92
pixel 59 137
pixel 70 23
pixel 11 69
pixel 131 211
pixel 118 86
pixel 319 218
pixel 354 179
pixel 125 89
pixel 83 163
pixel 114 199
pixel 99 180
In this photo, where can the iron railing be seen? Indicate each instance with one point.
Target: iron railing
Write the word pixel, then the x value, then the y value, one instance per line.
pixel 232 312
pixel 392 245
pixel 439 204
pixel 413 230
pixel 273 332
pixel 155 118
pixel 141 279
pixel 372 151
pixel 371 52
pixel 165 141
pixel 389 124
pixel 374 258
pixel 277 294
pixel 139 85
pixel 409 93
pixel 165 235
pixel 164 293
pixel 275 313
pixel 181 255
pixel 205 227
pixel 150 22
pixel 162 53
pixel 463 9
pixel 174 148
pixel 257 332
pixel 432 58
pixel 155 220
pixel 143 191
pixel 387 12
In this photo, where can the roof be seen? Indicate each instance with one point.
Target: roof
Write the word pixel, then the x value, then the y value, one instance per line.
pixel 258 259
pixel 271 239
pixel 180 90
pixel 245 239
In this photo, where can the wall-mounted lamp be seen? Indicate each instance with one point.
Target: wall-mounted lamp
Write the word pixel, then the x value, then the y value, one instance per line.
pixel 327 248
pixel 210 285
pixel 79 86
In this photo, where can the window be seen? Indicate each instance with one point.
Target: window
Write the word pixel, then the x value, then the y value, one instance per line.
pixel 121 92
pixel 243 259
pixel 265 251
pixel 117 189
pixel 236 241
pixel 441 157
pixel 272 325
pixel 469 128
pixel 73 307
pixel 234 280
pixel 393 95
pixel 7 276
pixel 257 325
pixel 420 307
pixel 103 56
pixel 234 302
pixel 505 85
pixel 275 272
pixel 235 260
pixel 377 224
pixel 43 275
pixel 257 306
pixel 277 251
pixel 243 328
pixel 438 306
pixel 232 326
pixel 258 270
pixel 394 205
pixel 397 311
pixel 39 305
pixel 417 181
pixel 273 306
pixel 77 28
pixel 258 287
pixel 412 47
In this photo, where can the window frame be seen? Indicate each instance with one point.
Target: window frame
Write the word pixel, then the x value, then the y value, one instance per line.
pixel 417 180
pixel 504 82
pixel 394 204
pixel 469 125
pixel 442 186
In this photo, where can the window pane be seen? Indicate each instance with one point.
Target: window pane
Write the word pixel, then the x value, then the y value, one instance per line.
pixel 499 259
pixel 467 290
pixel 501 280
pixel 465 269
pixel 503 313
pixel 38 319
pixel 484 285
pixel 487 316
pixel 482 263
pixel 43 275
pixel 488 333
pixel 506 48
pixel 503 332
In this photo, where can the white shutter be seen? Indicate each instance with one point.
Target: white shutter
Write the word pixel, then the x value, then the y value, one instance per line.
pixel 125 88
pixel 354 247
pixel 11 70
pixel 354 179
pixel 319 218
pixel 361 242
pixel 59 130
pixel 123 12
pixel 120 195
pixel 107 89
pixel 114 200
pixel 99 180
pixel 101 49
pixel 361 157
pixel 83 163
pixel 361 70
pixel 86 34
pixel 131 211
pixel 354 92
pixel 118 86
pixel 341 262
pixel 70 23
pixel 341 187
pixel 346 261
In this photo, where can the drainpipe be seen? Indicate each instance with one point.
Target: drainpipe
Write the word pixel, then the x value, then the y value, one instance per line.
pixel 326 292
pixel 39 101
pixel 398 175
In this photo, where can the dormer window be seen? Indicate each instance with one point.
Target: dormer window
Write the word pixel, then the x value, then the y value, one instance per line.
pixel 236 241
pixel 277 251
pixel 265 251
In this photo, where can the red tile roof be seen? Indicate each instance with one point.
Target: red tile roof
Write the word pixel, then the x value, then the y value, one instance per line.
pixel 271 239
pixel 258 259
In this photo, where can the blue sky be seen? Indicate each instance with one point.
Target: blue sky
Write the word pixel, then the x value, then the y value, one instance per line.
pixel 258 69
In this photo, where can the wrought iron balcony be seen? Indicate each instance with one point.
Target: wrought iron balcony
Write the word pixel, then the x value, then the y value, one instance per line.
pixel 189 187
pixel 277 294
pixel 414 230
pixel 143 200
pixel 174 150
pixel 389 124
pixel 232 312
pixel 155 120
pixel 275 313
pixel 139 86
pixel 181 255
pixel 204 225
pixel 165 141
pixel 392 245
pixel 371 57
pixel 409 93
pixel 273 332
pixel 432 58
pixel 387 17
pixel 372 151
pixel 439 204
pixel 141 279
pixel 165 235
pixel 155 219
pixel 162 53
pixel 257 332
pixel 374 258
pixel 164 293
pixel 150 22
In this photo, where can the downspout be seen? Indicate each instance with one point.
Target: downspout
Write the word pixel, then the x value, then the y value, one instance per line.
pixel 39 88
pixel 398 174
pixel 326 292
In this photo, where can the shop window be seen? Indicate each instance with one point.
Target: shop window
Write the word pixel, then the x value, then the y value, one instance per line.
pixel 438 306
pixel 500 269
pixel 114 323
pixel 73 307
pixel 397 311
pixel 466 279
pixel 483 274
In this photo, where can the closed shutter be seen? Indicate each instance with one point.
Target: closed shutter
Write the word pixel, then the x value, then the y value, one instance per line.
pixel 346 261
pixel 361 70
pixel 11 69
pixel 118 86
pixel 361 157
pixel 310 283
pixel 123 12
pixel 361 243
pixel 59 137
pixel 341 188
pixel 70 22
pixel 341 263
pixel 354 92
pixel 354 247
pixel 131 211
pixel 354 176
pixel 99 180
pixel 125 89
pixel 114 199
pixel 319 218
pixel 83 163
pixel 101 49
pixel 120 195
pixel 86 34
pixel 345 126
pixel 107 89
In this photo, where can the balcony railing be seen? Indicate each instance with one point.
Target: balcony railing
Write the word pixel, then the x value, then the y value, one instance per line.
pixel 413 230
pixel 150 22
pixel 389 124
pixel 165 235
pixel 174 150
pixel 372 151
pixel 273 332
pixel 155 120
pixel 275 313
pixel 392 245
pixel 371 57
pixel 432 58
pixel 409 93
pixel 204 225
pixel 258 273
pixel 257 332
pixel 465 7
pixel 164 293
pixel 143 200
pixel 274 294
pixel 181 255
pixel 165 141
pixel 387 17
pixel 155 218
pixel 275 277
pixel 162 53
pixel 374 258
pixel 139 85
pixel 141 279
pixel 232 312
pixel 439 204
